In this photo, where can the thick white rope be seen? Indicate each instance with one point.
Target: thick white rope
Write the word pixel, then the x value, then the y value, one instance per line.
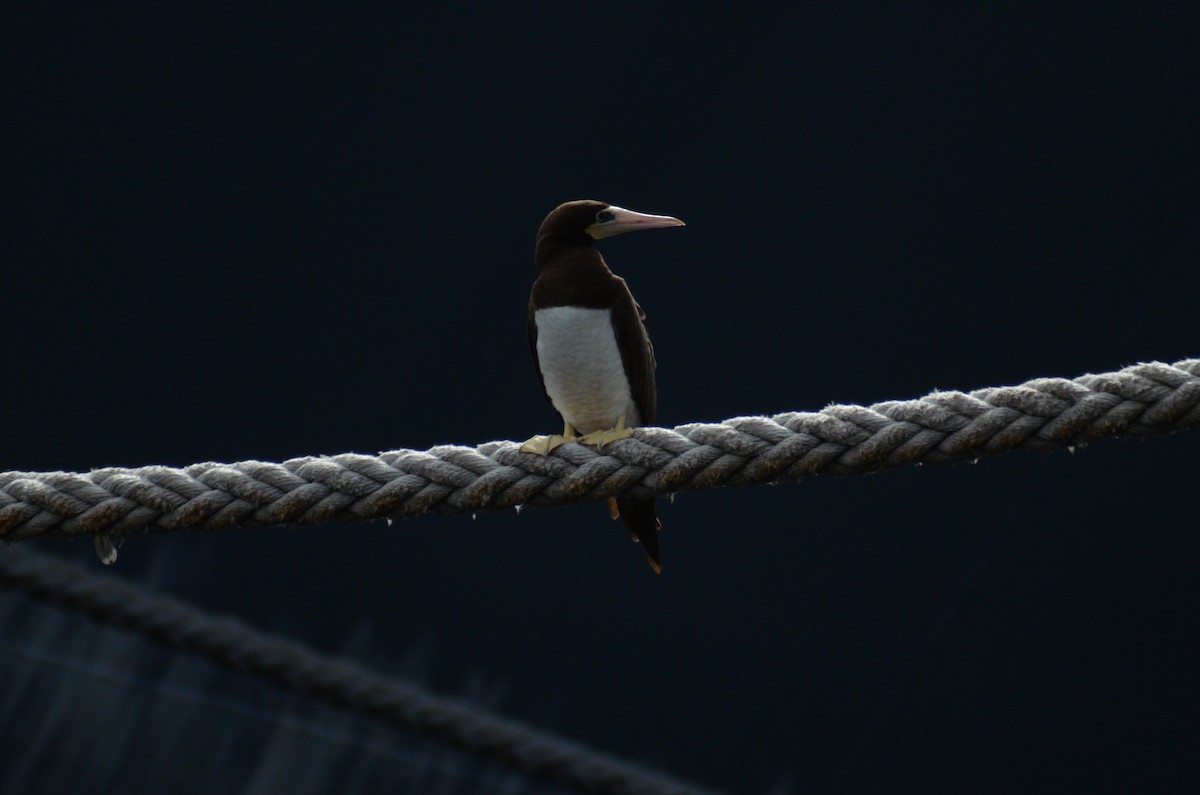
pixel 942 427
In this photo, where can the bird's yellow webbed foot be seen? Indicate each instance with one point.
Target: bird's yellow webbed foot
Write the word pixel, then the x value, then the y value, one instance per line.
pixel 544 445
pixel 601 438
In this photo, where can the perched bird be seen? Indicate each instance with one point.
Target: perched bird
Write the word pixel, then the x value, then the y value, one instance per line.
pixel 589 345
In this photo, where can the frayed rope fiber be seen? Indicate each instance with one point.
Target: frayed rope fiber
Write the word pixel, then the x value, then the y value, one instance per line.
pixel 942 427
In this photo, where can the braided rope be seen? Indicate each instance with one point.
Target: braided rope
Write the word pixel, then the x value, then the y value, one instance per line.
pixel 942 427
pixel 234 645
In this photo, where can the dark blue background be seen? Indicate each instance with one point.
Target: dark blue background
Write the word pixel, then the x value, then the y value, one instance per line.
pixel 232 233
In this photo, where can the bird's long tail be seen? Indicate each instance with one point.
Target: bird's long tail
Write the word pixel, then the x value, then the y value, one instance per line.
pixel 641 520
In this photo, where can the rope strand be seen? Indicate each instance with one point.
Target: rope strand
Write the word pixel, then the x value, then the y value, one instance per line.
pixel 942 427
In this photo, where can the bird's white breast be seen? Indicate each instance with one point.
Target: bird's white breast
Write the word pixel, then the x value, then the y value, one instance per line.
pixel 582 369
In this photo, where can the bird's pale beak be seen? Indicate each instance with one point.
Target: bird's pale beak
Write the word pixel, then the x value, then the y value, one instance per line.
pixel 623 221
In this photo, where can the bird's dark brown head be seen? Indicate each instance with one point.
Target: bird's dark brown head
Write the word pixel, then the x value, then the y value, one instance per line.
pixel 584 221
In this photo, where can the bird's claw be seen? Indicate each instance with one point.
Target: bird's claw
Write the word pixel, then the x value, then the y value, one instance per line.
pixel 601 438
pixel 545 445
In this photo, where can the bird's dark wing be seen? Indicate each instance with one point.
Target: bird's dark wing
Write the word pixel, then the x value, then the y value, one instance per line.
pixel 636 351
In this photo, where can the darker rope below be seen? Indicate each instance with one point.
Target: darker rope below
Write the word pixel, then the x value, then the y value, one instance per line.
pixel 234 645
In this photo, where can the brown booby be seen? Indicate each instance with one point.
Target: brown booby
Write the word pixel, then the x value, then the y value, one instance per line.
pixel 590 347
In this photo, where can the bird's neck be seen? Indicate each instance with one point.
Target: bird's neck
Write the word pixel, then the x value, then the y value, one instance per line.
pixel 575 278
pixel 554 251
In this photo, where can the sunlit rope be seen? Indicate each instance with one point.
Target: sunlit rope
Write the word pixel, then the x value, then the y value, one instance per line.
pixel 1042 414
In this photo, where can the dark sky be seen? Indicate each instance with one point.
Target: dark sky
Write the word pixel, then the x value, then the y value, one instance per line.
pixel 232 233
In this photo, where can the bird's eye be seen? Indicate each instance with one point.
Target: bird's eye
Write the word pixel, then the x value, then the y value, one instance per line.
pixel 604 216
